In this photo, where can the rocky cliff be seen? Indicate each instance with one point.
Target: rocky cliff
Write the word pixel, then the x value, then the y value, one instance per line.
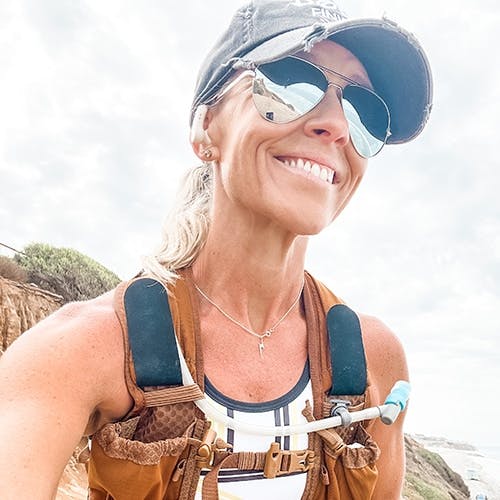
pixel 21 306
pixel 428 476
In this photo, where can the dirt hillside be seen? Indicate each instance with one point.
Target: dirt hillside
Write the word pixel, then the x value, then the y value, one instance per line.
pixel 429 477
pixel 21 306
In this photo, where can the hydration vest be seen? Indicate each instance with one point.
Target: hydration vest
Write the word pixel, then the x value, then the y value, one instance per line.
pixel 160 448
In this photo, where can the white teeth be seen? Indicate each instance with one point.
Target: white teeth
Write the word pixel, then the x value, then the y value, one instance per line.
pixel 323 173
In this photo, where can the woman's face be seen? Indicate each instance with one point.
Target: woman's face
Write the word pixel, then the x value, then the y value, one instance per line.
pixel 261 164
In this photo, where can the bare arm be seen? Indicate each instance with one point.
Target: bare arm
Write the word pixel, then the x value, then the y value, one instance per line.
pixel 57 380
pixel 387 364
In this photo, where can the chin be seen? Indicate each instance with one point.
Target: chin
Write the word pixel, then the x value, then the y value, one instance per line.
pixel 307 228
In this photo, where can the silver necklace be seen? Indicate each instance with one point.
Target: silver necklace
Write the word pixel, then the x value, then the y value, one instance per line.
pixel 260 336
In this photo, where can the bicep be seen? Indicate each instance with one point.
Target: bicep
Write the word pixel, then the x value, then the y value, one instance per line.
pixel 37 441
pixel 46 400
pixel 391 463
pixel 387 364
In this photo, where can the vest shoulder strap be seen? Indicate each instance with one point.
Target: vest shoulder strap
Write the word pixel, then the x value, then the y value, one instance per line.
pixel 347 353
pixel 151 334
pixel 154 347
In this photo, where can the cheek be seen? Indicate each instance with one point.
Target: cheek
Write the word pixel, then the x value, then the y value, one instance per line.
pixel 357 163
pixel 236 120
pixel 229 130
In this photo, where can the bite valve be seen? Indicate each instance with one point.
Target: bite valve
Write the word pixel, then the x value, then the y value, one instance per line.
pixel 395 402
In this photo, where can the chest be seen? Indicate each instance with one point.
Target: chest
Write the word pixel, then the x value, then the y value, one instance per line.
pixel 237 365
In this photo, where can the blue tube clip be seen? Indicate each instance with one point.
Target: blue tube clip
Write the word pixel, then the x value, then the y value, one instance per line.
pixel 399 394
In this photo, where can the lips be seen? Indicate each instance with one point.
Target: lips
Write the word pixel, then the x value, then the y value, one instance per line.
pixel 310 167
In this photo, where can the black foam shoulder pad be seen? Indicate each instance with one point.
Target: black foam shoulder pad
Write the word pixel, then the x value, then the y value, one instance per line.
pixel 151 334
pixel 347 351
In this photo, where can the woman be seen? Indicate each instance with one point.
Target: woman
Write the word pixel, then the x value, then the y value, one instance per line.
pixel 289 106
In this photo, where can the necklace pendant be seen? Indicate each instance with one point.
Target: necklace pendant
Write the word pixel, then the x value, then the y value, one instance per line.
pixel 261 336
pixel 261 348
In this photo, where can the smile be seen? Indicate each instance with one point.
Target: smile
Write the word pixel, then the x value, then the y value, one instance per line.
pixel 310 167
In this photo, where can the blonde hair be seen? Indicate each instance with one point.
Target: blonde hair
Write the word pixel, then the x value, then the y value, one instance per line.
pixel 186 227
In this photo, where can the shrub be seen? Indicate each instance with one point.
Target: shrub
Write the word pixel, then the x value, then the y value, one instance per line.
pixel 423 489
pixel 66 272
pixel 11 270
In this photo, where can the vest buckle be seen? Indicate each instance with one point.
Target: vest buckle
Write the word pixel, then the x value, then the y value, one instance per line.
pixel 205 455
pixel 280 462
pixel 208 449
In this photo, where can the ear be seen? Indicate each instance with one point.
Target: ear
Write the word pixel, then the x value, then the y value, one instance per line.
pixel 200 140
pixel 199 126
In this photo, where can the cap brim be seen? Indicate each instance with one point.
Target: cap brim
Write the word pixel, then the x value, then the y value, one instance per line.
pixel 393 58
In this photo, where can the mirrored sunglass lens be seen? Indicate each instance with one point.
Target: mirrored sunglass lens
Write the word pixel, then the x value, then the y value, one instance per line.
pixel 368 119
pixel 286 89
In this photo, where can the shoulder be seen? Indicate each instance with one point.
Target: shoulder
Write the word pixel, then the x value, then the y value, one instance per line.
pixel 380 340
pixel 81 324
pixel 385 356
pixel 78 351
pixel 98 309
pixel 381 344
pixel 78 334
pixel 383 349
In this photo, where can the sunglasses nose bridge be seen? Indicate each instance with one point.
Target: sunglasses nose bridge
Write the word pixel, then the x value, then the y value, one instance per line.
pixel 338 90
pixel 339 108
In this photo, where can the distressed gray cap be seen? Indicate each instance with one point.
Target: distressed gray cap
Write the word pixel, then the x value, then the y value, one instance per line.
pixel 267 30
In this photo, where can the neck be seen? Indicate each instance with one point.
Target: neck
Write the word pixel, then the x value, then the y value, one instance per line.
pixel 253 274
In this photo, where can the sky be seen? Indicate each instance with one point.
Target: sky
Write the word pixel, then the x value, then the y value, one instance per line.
pixel 94 105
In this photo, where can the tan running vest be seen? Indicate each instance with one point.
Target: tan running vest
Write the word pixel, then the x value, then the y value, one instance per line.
pixel 158 450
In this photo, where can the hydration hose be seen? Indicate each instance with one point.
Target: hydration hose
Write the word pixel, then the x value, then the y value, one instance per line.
pixel 388 412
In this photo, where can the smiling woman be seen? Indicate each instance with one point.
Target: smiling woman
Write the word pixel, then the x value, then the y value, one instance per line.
pixel 248 182
pixel 289 106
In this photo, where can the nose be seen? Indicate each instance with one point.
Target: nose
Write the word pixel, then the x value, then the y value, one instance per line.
pixel 327 120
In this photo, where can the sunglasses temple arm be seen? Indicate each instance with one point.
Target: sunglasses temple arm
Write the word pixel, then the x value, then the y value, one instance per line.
pixel 224 90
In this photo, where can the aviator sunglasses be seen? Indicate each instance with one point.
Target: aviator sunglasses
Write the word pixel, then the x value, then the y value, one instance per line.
pixel 289 88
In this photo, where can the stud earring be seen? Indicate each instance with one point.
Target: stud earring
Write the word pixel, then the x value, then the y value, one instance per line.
pixel 207 154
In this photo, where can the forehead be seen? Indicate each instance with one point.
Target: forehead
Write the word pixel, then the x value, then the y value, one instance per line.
pixel 333 56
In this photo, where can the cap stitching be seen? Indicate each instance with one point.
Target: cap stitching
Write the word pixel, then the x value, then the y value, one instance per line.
pixel 326 10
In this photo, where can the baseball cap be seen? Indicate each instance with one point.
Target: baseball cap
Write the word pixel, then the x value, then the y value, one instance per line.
pixel 262 31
